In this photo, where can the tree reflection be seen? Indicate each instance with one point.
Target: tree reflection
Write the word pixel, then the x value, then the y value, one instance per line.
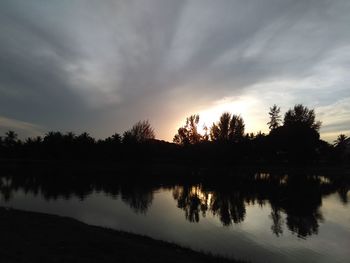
pixel 229 207
pixel 343 194
pixel 277 221
pixel 6 189
pixel 138 198
pixel 195 202
pixel 298 197
pixel 295 199
pixel 138 195
pixel 192 200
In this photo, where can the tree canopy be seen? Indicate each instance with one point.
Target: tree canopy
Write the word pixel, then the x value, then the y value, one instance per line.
pixel 188 134
pixel 301 116
pixel 296 139
pixel 140 132
pixel 228 128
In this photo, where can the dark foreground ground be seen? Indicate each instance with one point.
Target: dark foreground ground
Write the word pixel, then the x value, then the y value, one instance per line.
pixel 35 237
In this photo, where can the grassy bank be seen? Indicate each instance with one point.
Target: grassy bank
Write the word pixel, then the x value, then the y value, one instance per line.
pixel 35 237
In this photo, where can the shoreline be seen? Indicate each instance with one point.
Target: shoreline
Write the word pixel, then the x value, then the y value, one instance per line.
pixel 37 237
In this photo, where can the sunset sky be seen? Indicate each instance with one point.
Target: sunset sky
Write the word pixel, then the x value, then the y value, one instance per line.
pixel 100 66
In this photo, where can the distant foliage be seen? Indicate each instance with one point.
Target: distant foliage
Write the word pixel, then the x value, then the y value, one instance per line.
pixel 114 139
pixel 85 138
pixel 297 139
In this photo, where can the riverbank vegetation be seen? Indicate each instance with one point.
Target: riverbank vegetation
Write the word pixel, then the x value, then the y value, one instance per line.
pixel 294 138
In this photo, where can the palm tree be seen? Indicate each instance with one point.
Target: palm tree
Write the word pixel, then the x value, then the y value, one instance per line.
pixel 340 141
pixel 11 138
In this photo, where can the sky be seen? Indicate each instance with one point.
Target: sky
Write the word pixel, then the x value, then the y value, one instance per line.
pixel 101 66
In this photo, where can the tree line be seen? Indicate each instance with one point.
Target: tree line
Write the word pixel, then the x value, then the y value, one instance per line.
pixel 295 137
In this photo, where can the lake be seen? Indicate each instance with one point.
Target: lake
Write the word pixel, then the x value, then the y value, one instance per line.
pixel 256 216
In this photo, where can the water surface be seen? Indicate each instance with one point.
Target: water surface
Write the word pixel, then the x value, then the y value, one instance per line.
pixel 259 217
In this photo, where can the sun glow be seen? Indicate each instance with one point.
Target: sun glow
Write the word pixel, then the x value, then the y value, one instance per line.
pixel 248 108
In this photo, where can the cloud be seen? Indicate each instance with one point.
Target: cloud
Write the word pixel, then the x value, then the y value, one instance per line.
pixel 101 66
pixel 336 118
pixel 26 129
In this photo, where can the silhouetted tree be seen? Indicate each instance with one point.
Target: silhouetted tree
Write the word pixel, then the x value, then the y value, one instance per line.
pixel 189 134
pixel 229 128
pixel 85 138
pixel 114 139
pixel 340 145
pixel 298 138
pixel 69 137
pixel 141 131
pixel 205 137
pixel 340 141
pixel 38 139
pixel 11 145
pixel 11 139
pixel 301 116
pixel 53 137
pixel 128 138
pixel 275 117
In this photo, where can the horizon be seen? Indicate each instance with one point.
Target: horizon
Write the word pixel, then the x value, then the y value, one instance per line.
pixel 211 115
pixel 101 67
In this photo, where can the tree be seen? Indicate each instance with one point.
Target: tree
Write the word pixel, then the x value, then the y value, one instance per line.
pixel 275 117
pixel 298 138
pixel 301 116
pixel 141 131
pixel 11 138
pixel 114 139
pixel 340 146
pixel 188 134
pixel 340 141
pixel 53 138
pixel 205 137
pixel 69 138
pixel 84 139
pixel 229 128
pixel 237 126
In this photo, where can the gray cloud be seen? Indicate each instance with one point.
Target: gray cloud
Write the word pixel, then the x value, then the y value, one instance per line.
pixel 101 66
pixel 21 127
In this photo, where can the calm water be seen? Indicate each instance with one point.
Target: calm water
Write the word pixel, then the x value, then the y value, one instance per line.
pixel 259 217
